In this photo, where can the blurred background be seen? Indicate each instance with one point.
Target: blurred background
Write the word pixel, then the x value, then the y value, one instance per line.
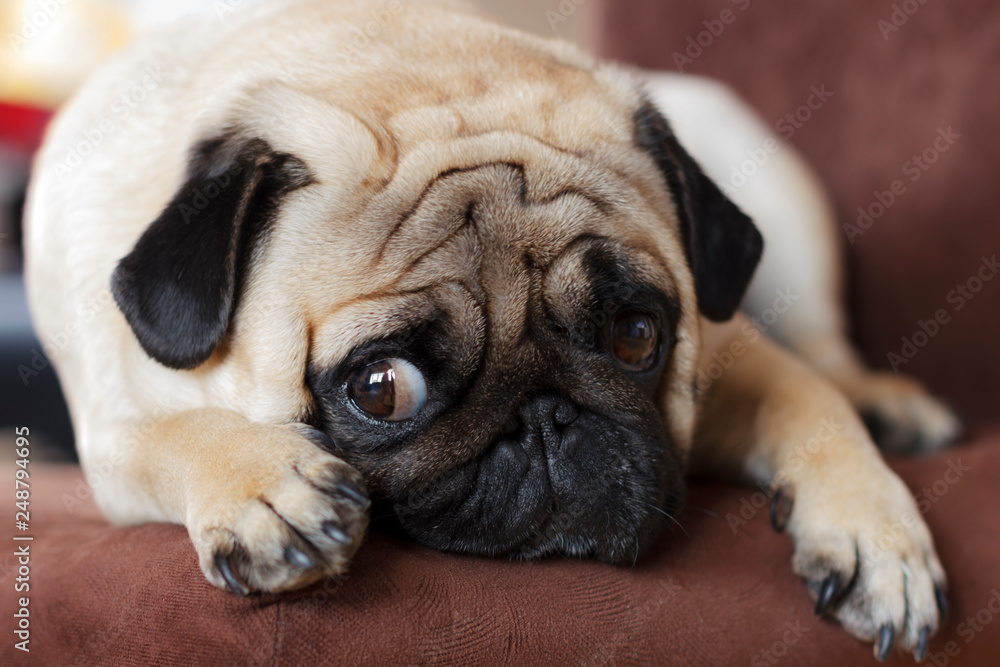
pixel 905 139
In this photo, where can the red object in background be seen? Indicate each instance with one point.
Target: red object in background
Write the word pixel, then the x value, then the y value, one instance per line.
pixel 22 127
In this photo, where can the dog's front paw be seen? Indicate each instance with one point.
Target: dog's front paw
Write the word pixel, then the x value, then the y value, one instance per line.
pixel 901 414
pixel 869 561
pixel 286 516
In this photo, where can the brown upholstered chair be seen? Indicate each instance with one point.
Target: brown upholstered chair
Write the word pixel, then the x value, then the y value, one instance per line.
pixel 720 591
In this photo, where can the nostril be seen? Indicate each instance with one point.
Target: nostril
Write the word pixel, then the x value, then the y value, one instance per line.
pixel 566 413
pixel 548 410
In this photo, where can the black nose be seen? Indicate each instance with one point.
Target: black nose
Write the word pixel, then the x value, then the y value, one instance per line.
pixel 549 418
pixel 542 411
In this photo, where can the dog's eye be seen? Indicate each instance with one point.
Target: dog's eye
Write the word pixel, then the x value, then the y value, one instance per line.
pixel 390 389
pixel 635 338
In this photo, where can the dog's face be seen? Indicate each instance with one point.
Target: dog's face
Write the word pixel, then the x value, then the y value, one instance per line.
pixel 502 339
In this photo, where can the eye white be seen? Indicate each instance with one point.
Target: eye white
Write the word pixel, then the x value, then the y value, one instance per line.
pixel 411 390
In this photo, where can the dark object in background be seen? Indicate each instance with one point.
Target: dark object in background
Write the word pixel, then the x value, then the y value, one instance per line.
pixel 13 182
pixel 29 389
pixel 21 130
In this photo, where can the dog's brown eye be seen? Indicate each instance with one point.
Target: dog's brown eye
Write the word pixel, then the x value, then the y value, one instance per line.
pixel 635 338
pixel 390 389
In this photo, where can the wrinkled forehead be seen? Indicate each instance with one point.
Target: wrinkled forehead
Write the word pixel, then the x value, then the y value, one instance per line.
pixel 510 190
pixel 484 239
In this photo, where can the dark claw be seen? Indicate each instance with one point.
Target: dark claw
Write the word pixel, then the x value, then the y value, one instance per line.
pixel 883 643
pixel 942 602
pixel 352 491
pixel 298 558
pixel 826 592
pixel 781 509
pixel 336 533
pixel 233 582
pixel 921 651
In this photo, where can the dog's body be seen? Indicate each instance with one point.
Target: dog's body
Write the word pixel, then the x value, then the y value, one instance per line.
pixel 513 227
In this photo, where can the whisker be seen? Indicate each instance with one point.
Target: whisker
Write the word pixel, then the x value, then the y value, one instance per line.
pixel 703 511
pixel 671 518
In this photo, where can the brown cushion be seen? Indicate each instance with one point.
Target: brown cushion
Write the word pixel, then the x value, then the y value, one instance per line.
pixel 707 593
pixel 893 91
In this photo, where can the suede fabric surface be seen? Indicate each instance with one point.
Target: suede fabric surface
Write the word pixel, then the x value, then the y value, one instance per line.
pixel 915 100
pixel 716 591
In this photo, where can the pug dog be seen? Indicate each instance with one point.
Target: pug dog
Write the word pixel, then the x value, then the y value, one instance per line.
pixel 469 275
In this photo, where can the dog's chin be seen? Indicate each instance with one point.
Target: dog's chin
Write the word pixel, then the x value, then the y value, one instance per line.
pixel 594 488
pixel 561 538
pixel 558 534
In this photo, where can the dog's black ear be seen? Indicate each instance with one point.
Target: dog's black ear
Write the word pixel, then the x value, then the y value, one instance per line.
pixel 179 285
pixel 723 245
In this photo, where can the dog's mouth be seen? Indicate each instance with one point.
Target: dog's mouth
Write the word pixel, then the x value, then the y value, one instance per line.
pixel 564 481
